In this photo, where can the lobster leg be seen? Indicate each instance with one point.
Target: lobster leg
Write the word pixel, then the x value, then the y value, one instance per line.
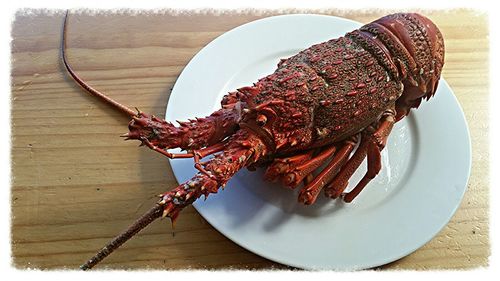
pixel 243 148
pixel 295 168
pixel 339 183
pixel 371 145
pixel 374 159
pixel 299 173
pixel 282 165
pixel 308 179
pixel 375 146
pixel 310 191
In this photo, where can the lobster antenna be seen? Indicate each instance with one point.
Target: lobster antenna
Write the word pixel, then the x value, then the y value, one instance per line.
pixel 83 84
pixel 123 237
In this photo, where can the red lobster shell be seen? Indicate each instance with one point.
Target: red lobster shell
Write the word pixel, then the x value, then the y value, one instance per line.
pixel 313 110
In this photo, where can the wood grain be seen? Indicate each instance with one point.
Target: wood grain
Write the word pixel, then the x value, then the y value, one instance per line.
pixel 76 184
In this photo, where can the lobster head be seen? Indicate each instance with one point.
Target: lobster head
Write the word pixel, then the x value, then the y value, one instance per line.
pixel 417 51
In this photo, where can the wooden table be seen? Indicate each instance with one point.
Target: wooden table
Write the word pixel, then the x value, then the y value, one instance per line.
pixel 76 184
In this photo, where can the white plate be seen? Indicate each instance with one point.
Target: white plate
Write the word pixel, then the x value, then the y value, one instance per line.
pixel 426 162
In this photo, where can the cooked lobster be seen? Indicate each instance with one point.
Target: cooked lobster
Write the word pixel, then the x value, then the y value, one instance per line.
pixel 312 122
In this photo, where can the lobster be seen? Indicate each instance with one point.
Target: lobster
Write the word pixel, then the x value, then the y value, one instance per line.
pixel 311 123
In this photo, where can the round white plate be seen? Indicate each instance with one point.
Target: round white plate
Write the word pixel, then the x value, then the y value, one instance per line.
pixel 426 162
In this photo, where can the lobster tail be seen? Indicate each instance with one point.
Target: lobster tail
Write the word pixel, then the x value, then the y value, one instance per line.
pixel 411 49
pixel 416 46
